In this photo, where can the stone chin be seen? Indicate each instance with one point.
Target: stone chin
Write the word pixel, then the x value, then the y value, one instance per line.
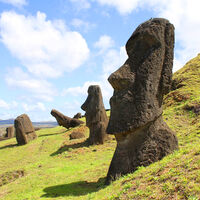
pixel 134 115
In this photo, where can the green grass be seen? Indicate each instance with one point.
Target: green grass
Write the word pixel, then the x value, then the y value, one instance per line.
pixel 57 168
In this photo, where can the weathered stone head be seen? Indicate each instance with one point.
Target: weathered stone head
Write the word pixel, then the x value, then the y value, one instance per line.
pixel 24 129
pixel 136 105
pixel 139 84
pixel 96 118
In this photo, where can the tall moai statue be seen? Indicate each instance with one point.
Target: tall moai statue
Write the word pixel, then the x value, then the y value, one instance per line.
pixel 24 129
pixel 136 105
pixel 96 118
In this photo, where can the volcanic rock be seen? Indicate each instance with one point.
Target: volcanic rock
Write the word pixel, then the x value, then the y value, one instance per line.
pixel 136 105
pixel 65 121
pixel 76 135
pixel 10 132
pixel 24 129
pixel 96 118
pixel 77 116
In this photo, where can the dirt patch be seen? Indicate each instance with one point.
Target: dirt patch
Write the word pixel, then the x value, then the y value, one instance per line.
pixel 9 177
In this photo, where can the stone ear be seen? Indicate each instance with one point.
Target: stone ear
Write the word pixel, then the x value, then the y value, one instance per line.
pixel 166 76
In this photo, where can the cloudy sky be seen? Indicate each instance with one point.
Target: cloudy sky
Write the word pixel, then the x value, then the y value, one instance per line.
pixel 51 51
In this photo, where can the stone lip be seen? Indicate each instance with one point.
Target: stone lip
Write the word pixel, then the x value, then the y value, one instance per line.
pixel 64 120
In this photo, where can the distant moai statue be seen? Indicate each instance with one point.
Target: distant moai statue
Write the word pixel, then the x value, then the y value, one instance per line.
pixel 77 116
pixel 96 118
pixel 24 129
pixel 64 120
pixel 136 105
pixel 10 132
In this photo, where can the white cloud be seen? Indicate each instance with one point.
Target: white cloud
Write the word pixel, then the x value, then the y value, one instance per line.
pixel 79 90
pixel 46 48
pixel 78 23
pixel 124 7
pixel 112 60
pixel 81 4
pixel 4 104
pixel 105 42
pixel 41 89
pixel 184 14
pixel 38 106
pixel 17 3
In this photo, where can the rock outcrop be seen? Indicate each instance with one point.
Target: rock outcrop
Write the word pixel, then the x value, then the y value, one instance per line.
pixel 76 135
pixel 96 118
pixel 24 129
pixel 65 121
pixel 136 105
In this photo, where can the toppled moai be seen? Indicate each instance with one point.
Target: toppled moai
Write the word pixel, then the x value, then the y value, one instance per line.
pixel 10 132
pixel 65 121
pixel 77 116
pixel 136 105
pixel 24 129
pixel 96 118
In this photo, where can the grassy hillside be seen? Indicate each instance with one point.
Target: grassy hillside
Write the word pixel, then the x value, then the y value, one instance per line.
pixel 53 167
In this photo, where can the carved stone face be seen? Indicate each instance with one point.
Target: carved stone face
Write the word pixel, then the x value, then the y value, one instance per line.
pixel 139 84
pixel 93 105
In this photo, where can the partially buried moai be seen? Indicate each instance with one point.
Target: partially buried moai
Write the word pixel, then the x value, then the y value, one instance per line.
pixel 24 129
pixel 96 118
pixel 136 105
pixel 10 132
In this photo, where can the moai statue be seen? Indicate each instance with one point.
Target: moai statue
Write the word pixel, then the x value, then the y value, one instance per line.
pixel 10 133
pixel 96 118
pixel 24 129
pixel 136 105
pixel 77 116
pixel 65 121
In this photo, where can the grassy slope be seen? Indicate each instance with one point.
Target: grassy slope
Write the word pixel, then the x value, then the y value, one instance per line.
pixel 57 168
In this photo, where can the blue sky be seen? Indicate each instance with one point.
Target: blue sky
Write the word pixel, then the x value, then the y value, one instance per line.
pixel 51 51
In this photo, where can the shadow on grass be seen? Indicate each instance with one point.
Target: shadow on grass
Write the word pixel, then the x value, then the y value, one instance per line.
pixel 9 146
pixel 74 189
pixel 50 134
pixel 70 146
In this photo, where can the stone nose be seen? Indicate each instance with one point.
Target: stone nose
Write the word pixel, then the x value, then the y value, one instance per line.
pixel 122 78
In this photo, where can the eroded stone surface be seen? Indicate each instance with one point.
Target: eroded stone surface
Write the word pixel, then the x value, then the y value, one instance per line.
pixel 77 116
pixel 76 135
pixel 10 132
pixel 136 105
pixel 96 118
pixel 64 120
pixel 24 129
